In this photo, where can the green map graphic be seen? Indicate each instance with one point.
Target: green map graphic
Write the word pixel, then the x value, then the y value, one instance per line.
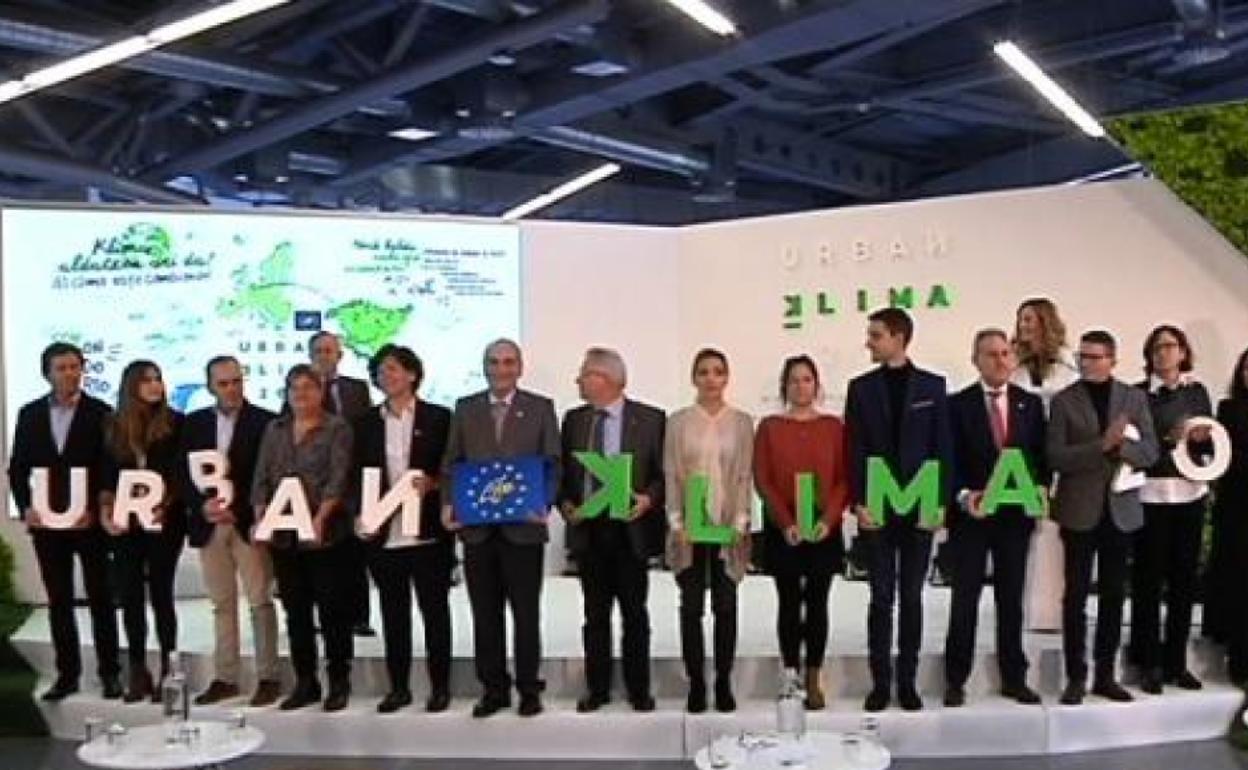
pixel 265 293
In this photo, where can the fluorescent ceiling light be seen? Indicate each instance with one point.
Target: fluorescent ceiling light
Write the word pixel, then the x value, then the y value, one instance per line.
pixel 564 190
pixel 413 133
pixel 1028 70
pixel 706 15
pixel 98 58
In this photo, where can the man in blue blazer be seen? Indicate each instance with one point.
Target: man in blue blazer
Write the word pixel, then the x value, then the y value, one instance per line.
pixel 899 413
pixel 988 417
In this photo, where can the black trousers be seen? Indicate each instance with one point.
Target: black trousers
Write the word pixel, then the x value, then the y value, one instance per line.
pixel 359 582
pixel 707 573
pixel 1109 547
pixel 425 570
pixel 1167 552
pixel 146 564
pixel 898 556
pixel 316 579
pixel 970 543
pixel 502 574
pixel 611 572
pixel 803 576
pixel 55 551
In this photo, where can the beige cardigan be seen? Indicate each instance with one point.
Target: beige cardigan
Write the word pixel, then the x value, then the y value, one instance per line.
pixel 731 494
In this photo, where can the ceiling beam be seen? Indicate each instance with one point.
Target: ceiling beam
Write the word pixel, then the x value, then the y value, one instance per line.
pixel 429 69
pixel 22 162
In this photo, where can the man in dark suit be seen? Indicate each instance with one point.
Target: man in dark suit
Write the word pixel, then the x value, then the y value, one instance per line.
pixel 61 431
pixel 988 417
pixel 222 533
pixel 350 398
pixel 503 563
pixel 613 554
pixel 1100 429
pixel 899 413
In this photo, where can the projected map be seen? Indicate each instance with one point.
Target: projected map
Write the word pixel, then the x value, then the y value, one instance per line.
pixel 179 288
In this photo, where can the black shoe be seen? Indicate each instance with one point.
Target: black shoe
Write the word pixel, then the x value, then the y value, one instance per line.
pixel 696 702
pixel 1073 694
pixel 642 703
pixel 140 685
pixel 305 693
pixel 877 700
pixel 1185 680
pixel 338 696
pixel 1150 682
pixel 1110 689
pixel 394 701
pixel 955 697
pixel 110 687
pixel 59 691
pixel 530 705
pixel 363 629
pixel 490 705
pixel 724 701
pixel 438 700
pixel 591 702
pixel 909 699
pixel 1020 693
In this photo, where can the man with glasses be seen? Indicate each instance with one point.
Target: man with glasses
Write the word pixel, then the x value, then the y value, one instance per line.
pixel 1100 434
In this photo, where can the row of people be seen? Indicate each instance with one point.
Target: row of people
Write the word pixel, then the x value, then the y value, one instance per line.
pixel 896 412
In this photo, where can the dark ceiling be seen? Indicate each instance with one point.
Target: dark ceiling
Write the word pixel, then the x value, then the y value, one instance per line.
pixel 815 104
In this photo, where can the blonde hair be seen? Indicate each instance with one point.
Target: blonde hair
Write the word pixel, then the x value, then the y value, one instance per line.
pixel 1039 360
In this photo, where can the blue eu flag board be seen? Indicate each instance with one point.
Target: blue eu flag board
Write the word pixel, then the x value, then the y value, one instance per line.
pixel 502 491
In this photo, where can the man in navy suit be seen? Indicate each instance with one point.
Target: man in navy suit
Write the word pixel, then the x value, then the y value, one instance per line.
pixel 898 413
pixel 988 417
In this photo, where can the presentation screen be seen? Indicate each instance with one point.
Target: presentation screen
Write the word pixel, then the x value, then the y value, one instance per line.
pixel 180 288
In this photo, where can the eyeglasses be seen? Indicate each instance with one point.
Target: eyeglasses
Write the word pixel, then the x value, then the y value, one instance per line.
pixel 1093 356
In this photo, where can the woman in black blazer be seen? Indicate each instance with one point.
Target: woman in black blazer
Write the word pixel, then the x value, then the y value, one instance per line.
pixel 406 433
pixel 145 433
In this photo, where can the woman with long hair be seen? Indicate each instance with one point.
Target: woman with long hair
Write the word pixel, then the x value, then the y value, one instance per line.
pixel 144 433
pixel 714 441
pixel 1045 367
pixel 802 440
pixel 1167 548
pixel 1228 578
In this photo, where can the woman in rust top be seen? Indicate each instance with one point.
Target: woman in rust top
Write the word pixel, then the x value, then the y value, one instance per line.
pixel 802 440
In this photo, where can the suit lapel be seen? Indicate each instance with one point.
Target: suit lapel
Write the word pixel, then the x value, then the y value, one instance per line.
pixel 981 424
pixel 1117 400
pixel 416 447
pixel 628 431
pixel 1088 410
pixel 879 396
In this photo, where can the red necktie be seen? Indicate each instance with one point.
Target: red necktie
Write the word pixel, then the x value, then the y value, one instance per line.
pixel 996 418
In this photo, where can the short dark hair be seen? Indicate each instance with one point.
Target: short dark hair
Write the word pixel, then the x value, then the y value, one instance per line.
pixel 224 359
pixel 791 363
pixel 1239 389
pixel 56 350
pixel 1100 337
pixel 302 371
pixel 984 334
pixel 896 320
pixel 1179 337
pixel 318 335
pixel 703 355
pixel 403 356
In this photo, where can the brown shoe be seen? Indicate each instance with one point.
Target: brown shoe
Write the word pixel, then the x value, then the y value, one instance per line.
pixel 267 693
pixel 217 691
pixel 814 690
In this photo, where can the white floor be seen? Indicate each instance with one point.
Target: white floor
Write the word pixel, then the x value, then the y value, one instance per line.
pixel 988 726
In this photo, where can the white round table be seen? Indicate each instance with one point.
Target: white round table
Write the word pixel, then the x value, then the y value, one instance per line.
pixel 145 748
pixel 815 751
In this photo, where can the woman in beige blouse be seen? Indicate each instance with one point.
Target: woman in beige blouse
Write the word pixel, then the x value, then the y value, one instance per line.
pixel 714 440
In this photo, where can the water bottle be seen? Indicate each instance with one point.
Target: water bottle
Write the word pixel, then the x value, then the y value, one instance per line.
pixel 175 697
pixel 790 706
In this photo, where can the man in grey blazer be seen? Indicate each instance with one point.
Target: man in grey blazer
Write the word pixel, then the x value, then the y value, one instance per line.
pixel 349 398
pixel 503 562
pixel 613 554
pixel 1099 429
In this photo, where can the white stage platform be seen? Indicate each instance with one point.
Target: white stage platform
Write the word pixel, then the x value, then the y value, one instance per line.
pixel 987 726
